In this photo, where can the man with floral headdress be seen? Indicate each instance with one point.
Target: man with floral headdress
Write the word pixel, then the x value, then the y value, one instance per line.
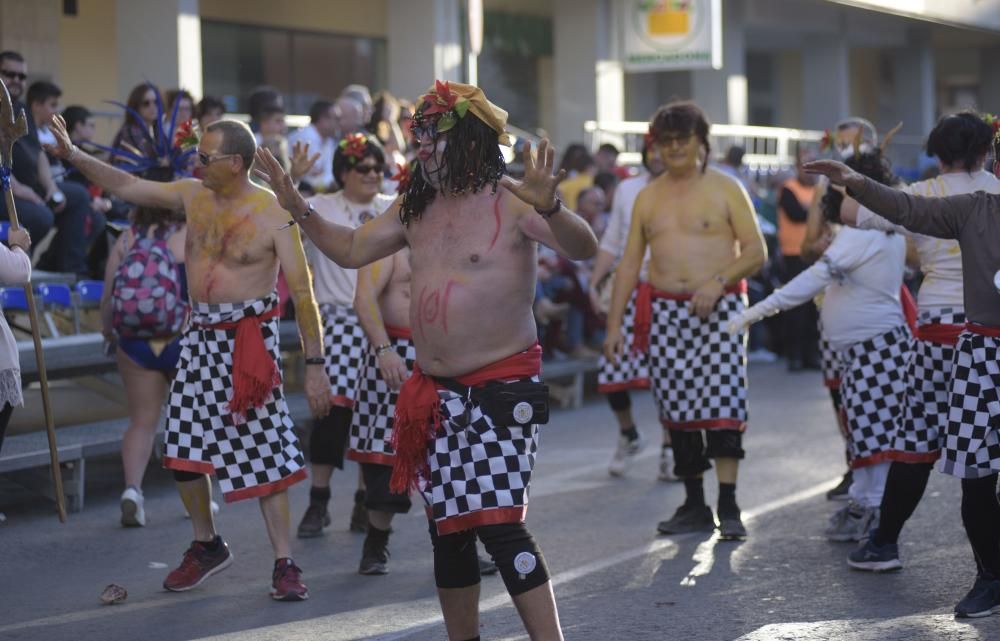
pixel 466 421
pixel 703 240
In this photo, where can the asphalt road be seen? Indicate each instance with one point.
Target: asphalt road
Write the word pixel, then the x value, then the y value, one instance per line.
pixel 615 578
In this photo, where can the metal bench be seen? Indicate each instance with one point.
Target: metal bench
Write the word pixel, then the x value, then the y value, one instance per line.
pixel 576 370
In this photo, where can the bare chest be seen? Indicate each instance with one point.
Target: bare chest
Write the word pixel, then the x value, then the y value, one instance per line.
pixel 468 235
pixel 233 238
pixel 692 213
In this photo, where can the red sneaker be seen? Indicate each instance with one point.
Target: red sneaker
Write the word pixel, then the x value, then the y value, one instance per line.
pixel 286 582
pixel 198 564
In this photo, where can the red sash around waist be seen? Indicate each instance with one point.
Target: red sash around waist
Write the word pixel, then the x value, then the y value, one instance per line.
pixel 644 310
pixel 983 330
pixel 399 332
pixel 255 374
pixel 939 333
pixel 418 412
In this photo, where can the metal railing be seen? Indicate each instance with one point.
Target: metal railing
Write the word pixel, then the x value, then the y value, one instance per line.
pixel 767 149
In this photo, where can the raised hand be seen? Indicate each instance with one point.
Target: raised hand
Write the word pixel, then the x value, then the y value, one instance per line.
pixel 836 171
pixel 64 147
pixel 268 169
pixel 302 162
pixel 538 187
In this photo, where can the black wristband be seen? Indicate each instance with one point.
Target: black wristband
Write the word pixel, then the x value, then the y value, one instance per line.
pixel 549 213
pixel 316 360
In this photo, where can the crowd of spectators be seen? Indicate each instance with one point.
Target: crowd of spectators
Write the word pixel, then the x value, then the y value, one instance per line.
pixel 67 216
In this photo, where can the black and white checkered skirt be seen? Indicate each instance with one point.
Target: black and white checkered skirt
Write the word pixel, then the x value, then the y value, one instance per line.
pixel 829 361
pixel 873 387
pixel 252 456
pixel 374 408
pixel 928 385
pixel 971 446
pixel 345 349
pixel 479 472
pixel 697 368
pixel 632 369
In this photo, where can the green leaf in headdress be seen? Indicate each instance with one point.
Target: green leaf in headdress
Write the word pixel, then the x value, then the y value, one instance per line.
pixel 447 121
pixel 462 107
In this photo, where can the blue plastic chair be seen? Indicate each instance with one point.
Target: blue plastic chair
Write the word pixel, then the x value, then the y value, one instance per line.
pixel 13 298
pixel 90 292
pixel 4 231
pixel 58 295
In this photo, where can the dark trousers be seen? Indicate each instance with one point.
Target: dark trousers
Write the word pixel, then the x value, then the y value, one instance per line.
pixel 5 413
pixel 37 219
pixel 801 338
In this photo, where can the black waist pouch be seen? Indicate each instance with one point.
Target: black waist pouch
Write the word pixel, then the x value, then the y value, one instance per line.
pixel 519 403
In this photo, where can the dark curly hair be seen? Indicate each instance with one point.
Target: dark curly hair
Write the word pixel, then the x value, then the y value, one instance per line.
pixel 342 162
pixel 471 161
pixel 683 116
pixel 869 163
pixel 960 139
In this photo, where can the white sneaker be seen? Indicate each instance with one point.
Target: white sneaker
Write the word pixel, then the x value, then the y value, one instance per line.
pixel 667 465
pixel 626 450
pixel 133 514
pixel 852 522
pixel 215 510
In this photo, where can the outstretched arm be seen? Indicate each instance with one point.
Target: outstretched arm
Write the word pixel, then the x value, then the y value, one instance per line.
pixel 563 231
pixel 122 184
pixel 938 217
pixel 349 248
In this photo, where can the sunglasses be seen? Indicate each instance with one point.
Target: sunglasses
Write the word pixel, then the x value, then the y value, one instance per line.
pixel 206 160
pixel 14 75
pixel 429 129
pixel 667 141
pixel 364 170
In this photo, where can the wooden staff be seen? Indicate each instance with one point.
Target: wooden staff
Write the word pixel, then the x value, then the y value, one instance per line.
pixel 10 130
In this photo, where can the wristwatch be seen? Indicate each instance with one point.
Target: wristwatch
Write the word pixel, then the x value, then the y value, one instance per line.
pixel 549 213
pixel 309 212
pixel 57 198
pixel 316 360
pixel 385 347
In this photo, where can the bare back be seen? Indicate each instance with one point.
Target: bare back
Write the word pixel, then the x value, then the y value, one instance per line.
pixel 230 249
pixel 693 228
pixel 394 300
pixel 473 283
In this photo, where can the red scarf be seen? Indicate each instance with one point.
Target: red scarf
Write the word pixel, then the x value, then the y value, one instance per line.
pixel 983 330
pixel 939 333
pixel 909 308
pixel 644 310
pixel 418 412
pixel 255 374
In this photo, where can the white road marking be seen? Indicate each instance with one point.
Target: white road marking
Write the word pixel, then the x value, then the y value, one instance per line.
pixel 921 626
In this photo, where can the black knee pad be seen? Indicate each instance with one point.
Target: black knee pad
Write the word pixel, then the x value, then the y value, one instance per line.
pixel 184 477
pixel 378 496
pixel 689 453
pixel 329 436
pixel 456 562
pixel 517 556
pixel 619 401
pixel 724 444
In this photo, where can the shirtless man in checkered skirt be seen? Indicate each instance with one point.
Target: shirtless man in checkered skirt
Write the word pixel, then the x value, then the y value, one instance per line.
pixel 226 413
pixel 466 422
pixel 704 240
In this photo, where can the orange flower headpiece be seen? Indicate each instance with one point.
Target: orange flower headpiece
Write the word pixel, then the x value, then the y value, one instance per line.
pixel 403 176
pixel 449 102
pixel 354 147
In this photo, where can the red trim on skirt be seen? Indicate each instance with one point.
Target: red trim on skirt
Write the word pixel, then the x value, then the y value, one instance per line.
pixel 184 465
pixel 479 518
pixel 914 457
pixel 874 459
pixel 378 458
pixel 707 424
pixel 266 489
pixel 342 401
pixel 832 383
pixel 636 384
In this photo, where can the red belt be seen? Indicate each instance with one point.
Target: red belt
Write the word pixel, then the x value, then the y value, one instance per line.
pixel 939 333
pixel 983 330
pixel 255 374
pixel 399 332
pixel 418 412
pixel 644 310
